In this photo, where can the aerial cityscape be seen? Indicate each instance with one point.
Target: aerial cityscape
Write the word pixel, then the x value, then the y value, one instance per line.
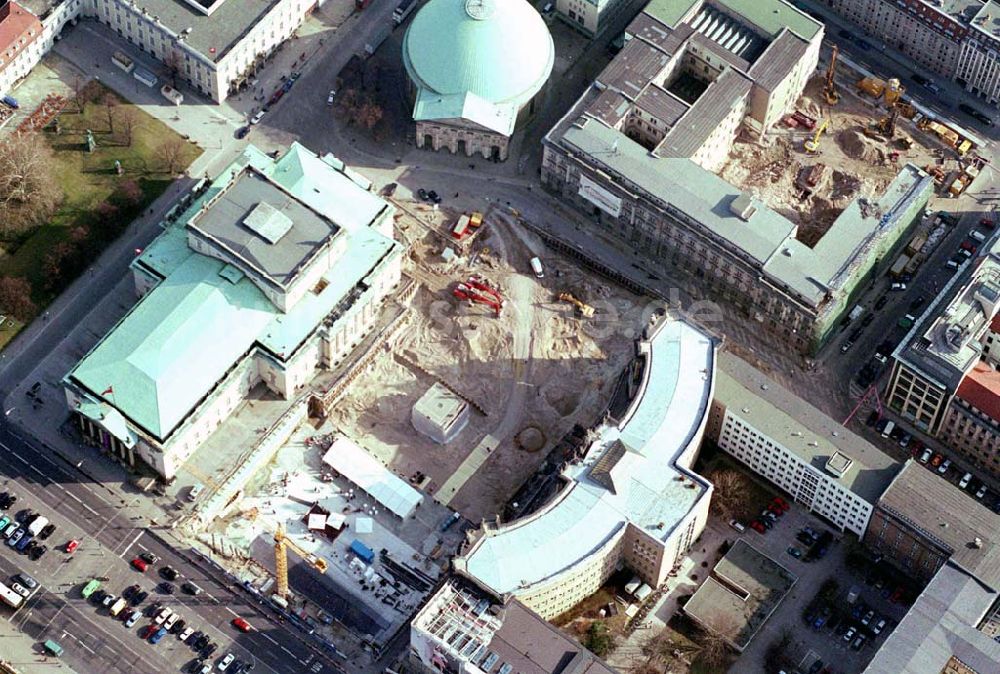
pixel 500 336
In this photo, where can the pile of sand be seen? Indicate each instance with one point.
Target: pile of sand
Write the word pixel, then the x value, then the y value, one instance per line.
pixel 856 145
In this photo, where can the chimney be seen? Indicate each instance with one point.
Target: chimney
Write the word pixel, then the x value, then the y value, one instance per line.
pixel 4 9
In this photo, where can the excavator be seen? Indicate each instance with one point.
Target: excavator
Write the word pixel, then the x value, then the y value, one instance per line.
pixel 585 310
pixel 467 292
pixel 812 144
pixel 281 543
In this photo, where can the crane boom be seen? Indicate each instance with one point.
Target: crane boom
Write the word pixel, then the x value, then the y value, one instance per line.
pixel 281 545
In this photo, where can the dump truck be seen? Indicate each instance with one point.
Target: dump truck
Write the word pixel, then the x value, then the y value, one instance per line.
pixel 899 266
pixel 872 86
pixel 915 244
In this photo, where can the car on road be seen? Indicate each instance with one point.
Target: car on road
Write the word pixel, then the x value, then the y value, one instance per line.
pixel 149 557
pixel 920 79
pixel 256 118
pixel 226 661
pixel 330 96
pixel 846 346
pixel 242 132
pixel 898 287
pixel 863 44
pixel 139 564
pixel 845 34
pixel 191 588
pixel 881 301
pixel 241 624
pixel 433 196
pixel 72 546
pixel 422 193
pixel 169 572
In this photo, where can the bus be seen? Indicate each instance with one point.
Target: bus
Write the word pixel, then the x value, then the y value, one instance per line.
pixel 90 588
pixel 403 10
pixel 9 597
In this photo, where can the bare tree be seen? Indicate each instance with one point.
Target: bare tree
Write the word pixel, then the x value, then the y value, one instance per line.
pixel 173 61
pixel 29 193
pixel 732 492
pixel 127 119
pixel 369 114
pixel 79 92
pixel 15 298
pixel 110 104
pixel 714 641
pixel 170 152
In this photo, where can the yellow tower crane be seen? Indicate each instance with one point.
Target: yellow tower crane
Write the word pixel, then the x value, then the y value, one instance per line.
pixel 281 542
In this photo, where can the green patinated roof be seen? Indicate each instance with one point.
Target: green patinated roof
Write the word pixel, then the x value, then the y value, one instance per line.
pixel 503 56
pixel 183 336
pixel 770 16
pixel 175 344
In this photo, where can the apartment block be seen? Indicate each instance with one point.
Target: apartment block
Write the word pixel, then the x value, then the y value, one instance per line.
pixel 957 39
pixel 638 150
pixel 629 497
pixel 819 463
pixel 462 630
pixel 590 17
pixel 944 378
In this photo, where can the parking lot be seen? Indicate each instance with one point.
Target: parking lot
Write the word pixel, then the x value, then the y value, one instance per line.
pixel 832 573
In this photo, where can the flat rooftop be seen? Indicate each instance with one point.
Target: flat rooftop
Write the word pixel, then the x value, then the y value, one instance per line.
pixel 769 17
pixel 944 342
pixel 941 625
pixel 628 476
pixel 802 429
pixel 742 590
pixel 440 405
pixel 211 35
pixel 264 227
pixel 492 635
pixel 949 515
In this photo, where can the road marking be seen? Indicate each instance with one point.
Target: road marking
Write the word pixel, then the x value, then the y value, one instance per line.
pixel 288 651
pixel 134 541
pixel 269 638
pixel 231 611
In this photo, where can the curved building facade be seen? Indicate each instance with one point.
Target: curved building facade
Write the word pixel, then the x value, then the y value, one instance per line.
pixel 475 68
pixel 631 500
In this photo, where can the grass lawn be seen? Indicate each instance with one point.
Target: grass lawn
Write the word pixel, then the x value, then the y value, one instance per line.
pixel 89 178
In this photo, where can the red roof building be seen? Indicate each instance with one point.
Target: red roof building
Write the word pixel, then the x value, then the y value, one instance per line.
pixel 981 388
pixel 18 29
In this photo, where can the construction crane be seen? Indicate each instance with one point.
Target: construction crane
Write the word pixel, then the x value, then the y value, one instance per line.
pixel 887 125
pixel 585 310
pixel 281 543
pixel 812 144
pixel 830 87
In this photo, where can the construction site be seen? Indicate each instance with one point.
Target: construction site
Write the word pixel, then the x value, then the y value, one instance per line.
pixel 847 138
pixel 495 349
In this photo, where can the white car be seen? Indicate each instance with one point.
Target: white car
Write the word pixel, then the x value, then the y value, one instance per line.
pixel 162 615
pixel 898 286
pixel 256 118
pixel 330 97
pixel 926 456
pixel 20 589
pixel 108 600
pixel 169 622
pixel 982 492
pixel 206 668
pixel 964 482
pixel 226 661
pixel 188 631
pixel 943 468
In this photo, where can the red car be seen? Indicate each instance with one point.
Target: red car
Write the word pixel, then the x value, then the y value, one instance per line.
pixel 757 526
pixel 72 546
pixel 139 565
pixel 241 624
pixel 148 631
pixel 897 596
pixel 969 247
pixel 781 503
pixel 987 223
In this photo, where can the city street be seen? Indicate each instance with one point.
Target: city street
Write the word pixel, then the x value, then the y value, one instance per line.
pixel 109 540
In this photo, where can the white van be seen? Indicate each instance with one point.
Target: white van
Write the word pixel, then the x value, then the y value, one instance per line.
pixel 977 235
pixel 888 429
pixel 536 266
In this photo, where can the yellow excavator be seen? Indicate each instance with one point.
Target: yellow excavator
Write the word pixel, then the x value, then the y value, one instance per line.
pixel 281 543
pixel 812 144
pixel 585 310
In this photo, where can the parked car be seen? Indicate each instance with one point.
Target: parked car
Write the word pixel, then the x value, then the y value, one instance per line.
pixel 242 132
pixel 878 627
pixel 859 641
pixel 898 287
pixel 71 546
pixel 256 118
pixel 936 461
pixel 925 457
pixel 868 617
pixel 330 96
pixel 881 301
pixel 757 526
pixel 139 564
pixel 981 492
pixel 964 482
pixel 169 572
pixel 241 624
pixel 422 193
pixel 943 468
pixel 132 619
pixel 149 557
pixel 794 552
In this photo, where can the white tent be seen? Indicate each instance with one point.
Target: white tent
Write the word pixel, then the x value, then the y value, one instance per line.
pixel 335 520
pixel 317 522
pixel 369 474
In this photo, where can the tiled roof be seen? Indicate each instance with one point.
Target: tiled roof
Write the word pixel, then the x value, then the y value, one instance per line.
pixel 981 389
